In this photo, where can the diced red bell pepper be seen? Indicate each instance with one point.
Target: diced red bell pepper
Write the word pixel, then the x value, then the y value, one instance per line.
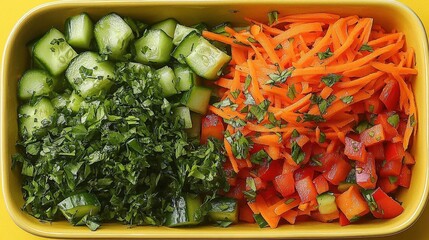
pixel 288 168
pixel 405 177
pixel 352 204
pixel 402 127
pixel 373 105
pixel 366 175
pixel 268 171
pixel 409 159
pixel 256 148
pixel 358 108
pixel 243 173
pixel 387 207
pixel 245 214
pixel 307 153
pixel 237 190
pixel 326 160
pixel 302 173
pixel 268 193
pixel 284 184
pixel 354 136
pixel 241 163
pixel 387 185
pixel 321 184
pixel 394 151
pixel 212 126
pixel 390 168
pixel 377 151
pixel 231 175
pixel 372 135
pixel 338 172
pixel 343 220
pixel 355 150
pixel 306 190
pixel 390 95
pixel 389 131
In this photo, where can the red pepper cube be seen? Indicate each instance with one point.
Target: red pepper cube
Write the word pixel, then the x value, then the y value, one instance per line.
pixel 211 126
pixel 268 171
pixel 409 159
pixel 387 207
pixel 302 173
pixel 245 214
pixel 377 151
pixel 394 151
pixel 387 184
pixel 366 175
pixel 237 191
pixel 352 203
pixel 284 184
pixel 373 105
pixel 390 95
pixel 343 220
pixel 355 150
pixel 390 168
pixel 338 172
pixel 372 135
pixel 306 190
pixel 405 177
pixel 321 184
pixel 389 131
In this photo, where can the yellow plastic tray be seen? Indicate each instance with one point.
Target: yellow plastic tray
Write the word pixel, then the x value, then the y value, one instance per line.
pixel 390 14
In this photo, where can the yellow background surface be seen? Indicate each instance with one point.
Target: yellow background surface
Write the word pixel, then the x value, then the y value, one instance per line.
pixel 12 10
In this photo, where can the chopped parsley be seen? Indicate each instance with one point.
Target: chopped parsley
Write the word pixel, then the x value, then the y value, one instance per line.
pixel 366 47
pixel 331 79
pixel 326 54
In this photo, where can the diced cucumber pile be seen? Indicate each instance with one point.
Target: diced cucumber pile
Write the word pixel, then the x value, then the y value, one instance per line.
pixel 85 58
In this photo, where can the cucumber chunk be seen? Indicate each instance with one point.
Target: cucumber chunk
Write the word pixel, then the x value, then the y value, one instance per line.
pixel 32 118
pixel 181 32
pixel 74 102
pixel 195 131
pixel 167 25
pixel 113 36
pixel 60 101
pixel 35 82
pixel 185 115
pixel 326 202
pixel 206 60
pixel 185 209
pixel 34 62
pixel 185 47
pixel 186 78
pixel 197 99
pixel 153 48
pixel 79 31
pixel 75 207
pixel 53 52
pixel 167 81
pixel 223 209
pixel 89 75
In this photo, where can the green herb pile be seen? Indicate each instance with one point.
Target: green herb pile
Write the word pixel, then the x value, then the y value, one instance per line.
pixel 126 148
